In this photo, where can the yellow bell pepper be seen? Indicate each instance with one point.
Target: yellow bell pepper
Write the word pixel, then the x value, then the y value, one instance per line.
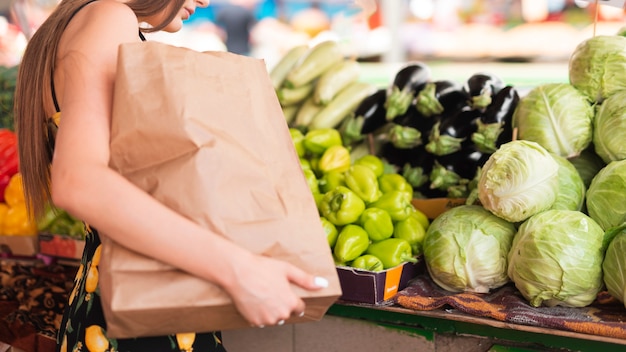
pixel 17 222
pixel 14 192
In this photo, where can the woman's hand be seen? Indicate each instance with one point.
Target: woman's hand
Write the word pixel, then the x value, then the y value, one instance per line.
pixel 262 290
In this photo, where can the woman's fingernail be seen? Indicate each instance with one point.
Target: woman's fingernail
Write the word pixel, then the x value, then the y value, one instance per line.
pixel 301 314
pixel 321 282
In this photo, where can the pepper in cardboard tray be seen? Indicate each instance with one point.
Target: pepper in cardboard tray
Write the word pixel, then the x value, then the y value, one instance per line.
pixel 341 206
pixel 351 243
pixel 392 252
pixel 362 181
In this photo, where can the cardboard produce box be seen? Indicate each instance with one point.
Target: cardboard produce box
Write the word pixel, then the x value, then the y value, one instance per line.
pixel 62 246
pixel 371 287
pixel 433 207
pixel 21 246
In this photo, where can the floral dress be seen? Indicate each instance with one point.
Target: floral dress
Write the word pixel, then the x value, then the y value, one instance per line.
pixel 83 327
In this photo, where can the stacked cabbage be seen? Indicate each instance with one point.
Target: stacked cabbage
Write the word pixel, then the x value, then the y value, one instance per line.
pixel 561 185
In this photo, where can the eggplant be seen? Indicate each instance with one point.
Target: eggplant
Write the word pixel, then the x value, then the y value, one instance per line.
pixel 372 111
pixel 457 169
pixel 453 132
pixel 495 126
pixel 440 97
pixel 413 119
pixel 407 82
pixel 481 88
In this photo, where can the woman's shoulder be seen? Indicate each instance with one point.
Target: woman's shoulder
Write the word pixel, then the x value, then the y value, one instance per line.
pixel 100 22
pixel 110 12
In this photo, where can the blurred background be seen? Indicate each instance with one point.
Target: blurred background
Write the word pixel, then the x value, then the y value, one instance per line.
pixel 385 31
pixel 391 30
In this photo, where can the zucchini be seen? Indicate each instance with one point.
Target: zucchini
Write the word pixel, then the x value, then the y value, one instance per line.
pixel 344 103
pixel 290 112
pixel 314 63
pixel 291 96
pixel 307 111
pixel 335 79
pixel 285 64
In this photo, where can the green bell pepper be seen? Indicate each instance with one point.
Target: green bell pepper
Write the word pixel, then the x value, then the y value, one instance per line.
pixel 336 157
pixel 318 140
pixel 331 179
pixel 330 230
pixel 411 230
pixel 373 162
pixel 311 180
pixel 298 141
pixel 392 252
pixel 377 223
pixel 341 206
pixel 305 164
pixel 395 182
pixel 421 217
pixel 362 181
pixel 396 203
pixel 367 262
pixel 351 243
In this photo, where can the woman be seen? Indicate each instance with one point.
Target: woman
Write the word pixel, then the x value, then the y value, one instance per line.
pixel 70 66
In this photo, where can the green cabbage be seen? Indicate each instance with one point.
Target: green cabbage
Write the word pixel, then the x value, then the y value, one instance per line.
pixel 614 265
pixel 557 116
pixel 571 194
pixel 556 259
pixel 606 196
pixel 609 128
pixel 518 180
pixel 597 67
pixel 466 248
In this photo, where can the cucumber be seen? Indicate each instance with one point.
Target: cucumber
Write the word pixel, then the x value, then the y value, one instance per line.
pixel 290 112
pixel 335 79
pixel 285 64
pixel 344 103
pixel 291 96
pixel 314 63
pixel 307 111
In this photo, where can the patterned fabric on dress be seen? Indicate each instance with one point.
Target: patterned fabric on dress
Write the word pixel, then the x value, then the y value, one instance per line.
pixel 83 327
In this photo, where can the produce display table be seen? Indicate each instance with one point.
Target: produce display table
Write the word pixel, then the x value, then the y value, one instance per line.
pixel 33 295
pixel 32 299
pixel 503 314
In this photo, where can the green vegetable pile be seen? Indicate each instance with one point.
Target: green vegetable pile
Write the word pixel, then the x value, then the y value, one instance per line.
pixel 561 188
pixel 365 208
pixel 7 90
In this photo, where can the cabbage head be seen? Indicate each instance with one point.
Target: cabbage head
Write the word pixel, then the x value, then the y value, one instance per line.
pixel 518 180
pixel 466 248
pixel 606 196
pixel 571 194
pixel 614 265
pixel 609 128
pixel 597 67
pixel 557 116
pixel 556 259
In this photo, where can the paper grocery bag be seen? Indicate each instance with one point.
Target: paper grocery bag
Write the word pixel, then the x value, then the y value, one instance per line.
pixel 204 134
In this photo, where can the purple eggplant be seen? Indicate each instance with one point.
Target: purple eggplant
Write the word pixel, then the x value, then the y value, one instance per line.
pixel 453 132
pixel 481 88
pixel 440 97
pixel 495 125
pixel 457 169
pixel 407 82
pixel 372 111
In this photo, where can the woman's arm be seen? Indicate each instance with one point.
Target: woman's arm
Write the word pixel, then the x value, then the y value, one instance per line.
pixel 84 185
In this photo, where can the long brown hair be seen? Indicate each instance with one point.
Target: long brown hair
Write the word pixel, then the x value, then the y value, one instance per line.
pixel 33 94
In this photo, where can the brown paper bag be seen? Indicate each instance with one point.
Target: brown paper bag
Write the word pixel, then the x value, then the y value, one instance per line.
pixel 204 134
